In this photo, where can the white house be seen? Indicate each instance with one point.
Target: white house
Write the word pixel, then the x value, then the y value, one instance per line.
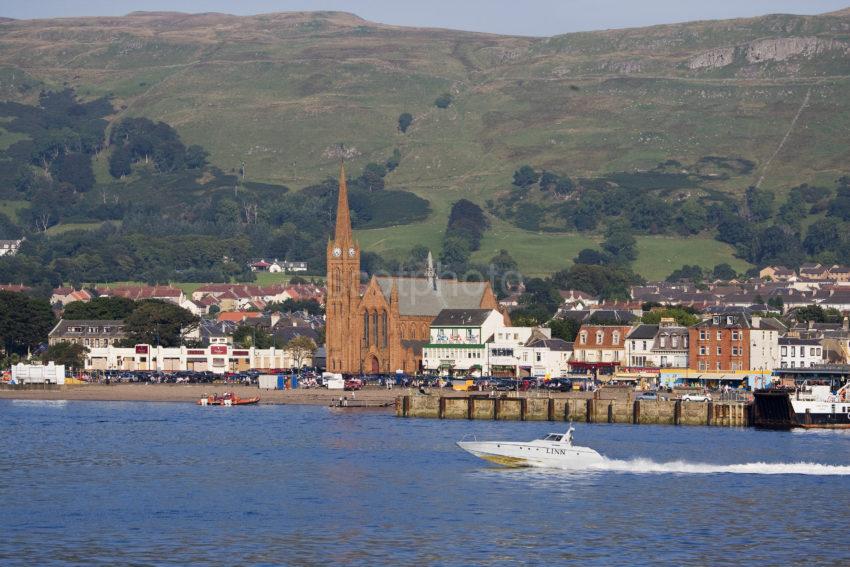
pixel 799 353
pixel 458 340
pixel 10 247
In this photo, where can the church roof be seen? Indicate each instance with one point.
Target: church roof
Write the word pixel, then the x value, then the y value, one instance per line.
pixel 416 296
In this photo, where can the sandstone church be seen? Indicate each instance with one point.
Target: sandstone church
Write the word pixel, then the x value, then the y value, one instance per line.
pixel 384 329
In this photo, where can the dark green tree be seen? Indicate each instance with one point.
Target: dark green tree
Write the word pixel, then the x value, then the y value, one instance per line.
pixel 566 329
pixel 120 162
pixel 724 272
pixel 24 322
pixel 444 100
pixel 525 176
pixel 620 244
pixel 196 157
pixel 74 168
pixel 405 119
pixel 71 355
pixel 100 308
pixel 759 203
pixel 158 322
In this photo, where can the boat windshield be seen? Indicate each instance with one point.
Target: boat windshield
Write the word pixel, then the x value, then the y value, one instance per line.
pixel 553 437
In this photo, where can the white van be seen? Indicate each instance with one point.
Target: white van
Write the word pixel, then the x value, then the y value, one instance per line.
pixel 333 381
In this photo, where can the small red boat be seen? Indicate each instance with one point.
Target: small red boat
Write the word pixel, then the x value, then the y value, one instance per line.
pixel 227 399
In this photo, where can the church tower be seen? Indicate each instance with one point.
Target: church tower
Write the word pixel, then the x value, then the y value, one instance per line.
pixel 343 261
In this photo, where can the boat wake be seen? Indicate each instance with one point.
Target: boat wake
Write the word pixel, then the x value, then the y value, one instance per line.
pixel 647 466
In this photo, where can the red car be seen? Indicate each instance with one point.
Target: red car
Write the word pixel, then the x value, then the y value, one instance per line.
pixel 353 384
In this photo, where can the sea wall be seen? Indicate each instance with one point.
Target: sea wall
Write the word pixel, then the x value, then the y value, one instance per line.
pixel 641 412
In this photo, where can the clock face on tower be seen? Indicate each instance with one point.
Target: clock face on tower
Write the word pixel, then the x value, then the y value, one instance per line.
pixel 351 252
pixel 337 252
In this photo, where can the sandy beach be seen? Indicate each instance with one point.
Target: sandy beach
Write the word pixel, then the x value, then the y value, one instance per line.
pixel 186 393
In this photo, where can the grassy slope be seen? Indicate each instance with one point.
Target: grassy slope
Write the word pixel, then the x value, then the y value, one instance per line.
pixel 279 91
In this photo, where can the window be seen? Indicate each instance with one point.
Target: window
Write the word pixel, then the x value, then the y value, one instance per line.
pixel 674 340
pixel 812 351
pixel 538 356
pixel 703 335
pixel 719 335
pixel 703 365
pixel 719 351
pixel 662 342
pixel 365 328
pixel 384 329
pixel 703 350
pixel 792 364
pixel 718 365
pixel 616 338
pixel 582 338
pixel 599 337
pixel 818 352
pixel 736 335
pixel 785 351
pixel 793 351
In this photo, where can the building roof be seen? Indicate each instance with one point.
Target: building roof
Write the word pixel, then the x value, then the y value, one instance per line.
pixel 552 344
pixel 238 316
pixel 798 341
pixel 610 317
pixel 643 332
pixel 461 317
pixel 416 296
pixel 64 326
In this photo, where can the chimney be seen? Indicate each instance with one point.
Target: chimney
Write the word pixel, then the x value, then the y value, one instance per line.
pixel 845 325
pixel 756 321
pixel 811 324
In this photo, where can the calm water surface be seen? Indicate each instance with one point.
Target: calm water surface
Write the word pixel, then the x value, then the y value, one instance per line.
pixel 145 483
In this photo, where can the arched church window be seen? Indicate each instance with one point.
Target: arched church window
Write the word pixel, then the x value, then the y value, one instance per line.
pixel 365 328
pixel 375 328
pixel 384 328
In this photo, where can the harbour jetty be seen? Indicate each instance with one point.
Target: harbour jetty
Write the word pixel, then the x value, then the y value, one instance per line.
pixel 587 410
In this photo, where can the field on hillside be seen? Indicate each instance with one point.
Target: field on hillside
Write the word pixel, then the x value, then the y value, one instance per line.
pixel 280 92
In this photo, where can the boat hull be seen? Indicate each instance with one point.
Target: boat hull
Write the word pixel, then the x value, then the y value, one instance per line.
pixel 510 454
pixel 777 410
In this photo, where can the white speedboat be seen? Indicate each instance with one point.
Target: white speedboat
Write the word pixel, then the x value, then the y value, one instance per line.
pixel 555 450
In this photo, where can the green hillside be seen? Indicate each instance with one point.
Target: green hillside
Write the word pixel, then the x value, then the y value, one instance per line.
pixel 281 91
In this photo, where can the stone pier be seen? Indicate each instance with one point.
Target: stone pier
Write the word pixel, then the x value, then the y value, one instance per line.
pixel 640 412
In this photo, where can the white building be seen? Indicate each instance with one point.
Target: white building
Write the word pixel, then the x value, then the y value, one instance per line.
pixel 475 341
pixel 216 358
pixel 10 247
pixel 658 346
pixel 458 339
pixel 799 353
pixel 764 342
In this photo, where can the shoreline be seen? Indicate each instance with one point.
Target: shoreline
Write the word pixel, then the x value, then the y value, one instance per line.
pixel 191 393
pixel 186 393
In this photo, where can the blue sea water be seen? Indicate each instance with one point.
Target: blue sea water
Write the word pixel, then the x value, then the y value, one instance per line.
pixel 97 483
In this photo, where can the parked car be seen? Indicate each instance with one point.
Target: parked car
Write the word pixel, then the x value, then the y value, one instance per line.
pixel 353 384
pixel 647 396
pixel 696 398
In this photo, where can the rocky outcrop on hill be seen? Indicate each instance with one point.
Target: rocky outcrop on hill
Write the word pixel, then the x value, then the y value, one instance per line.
pixel 784 48
pixel 762 50
pixel 713 59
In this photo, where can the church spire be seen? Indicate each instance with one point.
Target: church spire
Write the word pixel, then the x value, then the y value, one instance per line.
pixel 343 215
pixel 430 274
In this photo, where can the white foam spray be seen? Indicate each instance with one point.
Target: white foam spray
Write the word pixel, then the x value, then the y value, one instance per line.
pixel 647 466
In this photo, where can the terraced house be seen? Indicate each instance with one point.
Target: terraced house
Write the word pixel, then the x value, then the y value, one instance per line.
pixel 89 333
pixel 733 342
